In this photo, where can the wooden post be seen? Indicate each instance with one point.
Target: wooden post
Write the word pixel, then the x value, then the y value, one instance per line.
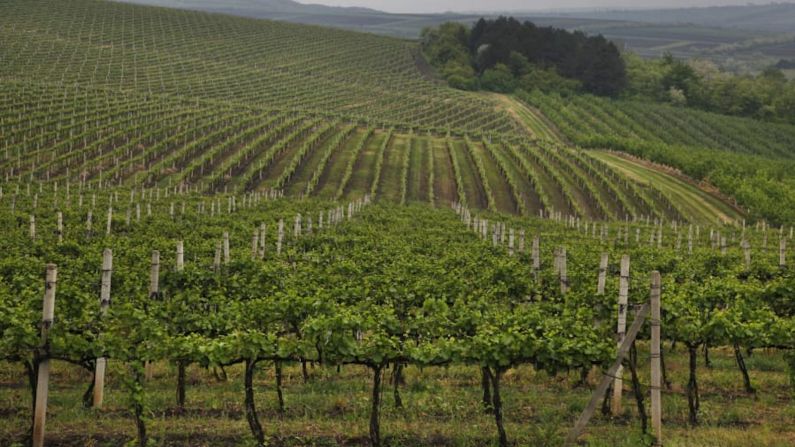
pixel 536 255
pixel 43 379
pixel 601 389
pixel 254 243
pixel 154 275
pixel 262 233
pixel 746 253
pixel 180 256
pixel 154 290
pixel 600 285
pixel 623 296
pixel 59 227
pixel 110 221
pixel 280 237
pixel 227 256
pixel 511 239
pixel 217 258
pixel 656 362
pixel 104 303
pixel 659 236
pixel 564 276
pixel 33 227
pixel 782 253
pixel 89 221
pixel 297 224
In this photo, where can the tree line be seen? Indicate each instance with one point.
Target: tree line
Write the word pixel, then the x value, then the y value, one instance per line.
pixel 504 54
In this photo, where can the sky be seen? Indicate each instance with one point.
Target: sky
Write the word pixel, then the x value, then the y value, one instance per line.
pixel 426 6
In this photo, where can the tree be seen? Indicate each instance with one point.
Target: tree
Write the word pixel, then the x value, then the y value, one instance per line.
pixel 498 79
pixel 603 70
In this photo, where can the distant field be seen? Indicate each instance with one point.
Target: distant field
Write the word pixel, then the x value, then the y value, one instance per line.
pixel 234 61
pixel 647 33
pixel 592 121
pixel 224 104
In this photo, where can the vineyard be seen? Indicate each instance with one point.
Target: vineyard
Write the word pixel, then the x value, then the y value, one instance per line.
pixel 260 297
pixel 593 122
pixel 224 231
pixel 222 104
pixel 749 160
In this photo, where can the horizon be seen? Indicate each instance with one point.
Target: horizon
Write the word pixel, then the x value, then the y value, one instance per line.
pixel 519 6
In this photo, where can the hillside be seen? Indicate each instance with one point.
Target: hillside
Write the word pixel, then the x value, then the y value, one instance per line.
pixel 224 104
pixel 684 33
pixel 771 17
pixel 226 231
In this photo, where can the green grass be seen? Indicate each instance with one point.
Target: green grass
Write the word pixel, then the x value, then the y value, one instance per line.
pixel 441 407
pixel 698 205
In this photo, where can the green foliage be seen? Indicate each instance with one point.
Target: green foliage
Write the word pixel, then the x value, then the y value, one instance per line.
pixel 498 79
pixel 547 80
pixel 768 96
pixel 505 53
pixel 747 160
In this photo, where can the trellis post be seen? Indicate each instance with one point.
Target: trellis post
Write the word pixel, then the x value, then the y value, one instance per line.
pixel 104 303
pixel 43 379
pixel 623 296
pixel 656 359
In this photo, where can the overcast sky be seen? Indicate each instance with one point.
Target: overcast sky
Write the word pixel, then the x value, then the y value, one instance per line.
pixel 522 5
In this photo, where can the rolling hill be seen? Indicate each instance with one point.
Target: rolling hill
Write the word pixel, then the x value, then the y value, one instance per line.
pixel 739 39
pixel 101 94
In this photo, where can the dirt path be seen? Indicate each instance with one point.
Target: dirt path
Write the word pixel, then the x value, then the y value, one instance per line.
pixel 529 118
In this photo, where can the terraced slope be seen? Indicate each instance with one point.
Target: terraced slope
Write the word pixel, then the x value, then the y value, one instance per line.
pixel 97 94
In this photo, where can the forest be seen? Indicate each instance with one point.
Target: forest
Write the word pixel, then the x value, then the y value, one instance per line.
pixel 505 55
